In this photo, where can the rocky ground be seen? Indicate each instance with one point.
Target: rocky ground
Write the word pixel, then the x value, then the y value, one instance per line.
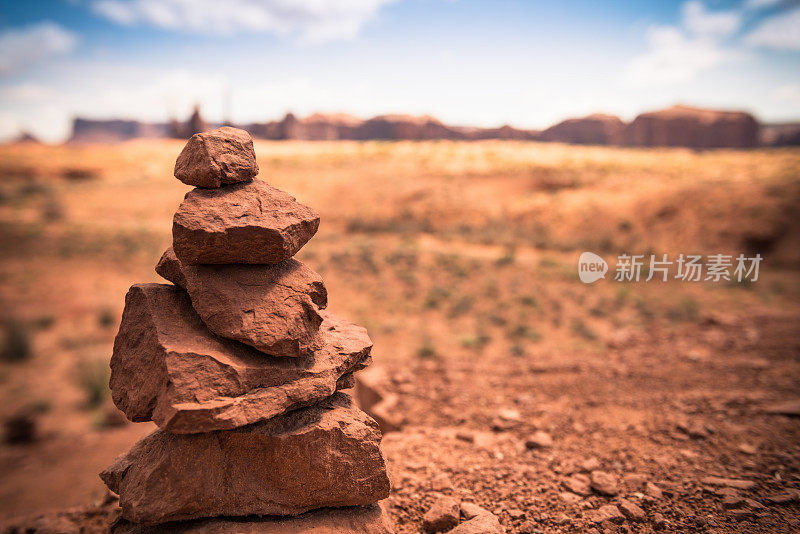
pixel 556 406
pixel 644 437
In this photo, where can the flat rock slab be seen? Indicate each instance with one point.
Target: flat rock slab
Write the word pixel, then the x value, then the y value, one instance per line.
pixel 273 308
pixel 325 455
pixel 356 520
pixel 217 157
pixel 168 367
pixel 250 222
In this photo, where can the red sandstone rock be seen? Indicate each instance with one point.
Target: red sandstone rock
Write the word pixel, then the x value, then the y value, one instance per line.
pixel 326 455
pixel 694 128
pixel 273 308
pixel 169 268
pixel 597 129
pixel 218 157
pixel 607 512
pixel 169 368
pixel 372 396
pixel 242 223
pixel 442 516
pixel 481 524
pixel 371 519
pixel 604 483
pixel 539 440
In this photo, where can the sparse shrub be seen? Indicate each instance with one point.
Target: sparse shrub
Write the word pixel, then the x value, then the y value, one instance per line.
pixel 600 309
pixel 622 295
pixel 461 306
pixel 490 287
pixel 523 331
pixel 426 350
pixel 497 319
pixel 686 310
pixel 435 297
pixel 644 309
pixel 106 318
pixel 529 301
pixel 548 262
pixel 517 350
pixel 452 264
pixel 52 210
pixel 21 428
pixel 79 174
pixel 408 277
pixel 93 380
pixel 16 342
pixel 366 257
pixel 407 257
pixel 44 322
pixel 580 328
pixel 476 342
pixel 32 188
pixel 508 257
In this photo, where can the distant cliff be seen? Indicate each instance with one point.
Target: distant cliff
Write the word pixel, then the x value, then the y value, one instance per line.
pixel 114 131
pixel 679 126
pixel 592 130
pixel 693 127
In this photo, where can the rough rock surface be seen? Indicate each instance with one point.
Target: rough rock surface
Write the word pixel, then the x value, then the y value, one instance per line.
pixel 326 455
pixel 169 268
pixel 604 483
pixel 243 223
pixel 168 367
pixel 273 308
pixel 218 157
pixel 607 512
pixel 355 520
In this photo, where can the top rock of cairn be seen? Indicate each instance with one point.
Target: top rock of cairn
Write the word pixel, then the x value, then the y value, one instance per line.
pixel 231 218
pixel 216 158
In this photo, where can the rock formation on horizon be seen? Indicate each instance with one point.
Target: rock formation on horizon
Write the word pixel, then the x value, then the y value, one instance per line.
pixel 676 126
pixel 684 126
pixel 597 129
pixel 242 369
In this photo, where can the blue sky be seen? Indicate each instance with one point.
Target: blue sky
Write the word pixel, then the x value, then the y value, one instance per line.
pixel 524 63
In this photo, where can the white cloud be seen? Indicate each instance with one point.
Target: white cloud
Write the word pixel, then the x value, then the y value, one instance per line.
pixel 310 20
pixel 678 54
pixel 675 58
pixel 706 23
pixel 781 32
pixel 20 47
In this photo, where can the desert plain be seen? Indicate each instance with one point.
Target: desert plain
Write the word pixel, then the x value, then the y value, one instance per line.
pixel 514 385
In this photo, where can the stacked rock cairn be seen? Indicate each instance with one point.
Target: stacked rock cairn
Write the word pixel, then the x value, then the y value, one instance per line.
pixel 241 368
